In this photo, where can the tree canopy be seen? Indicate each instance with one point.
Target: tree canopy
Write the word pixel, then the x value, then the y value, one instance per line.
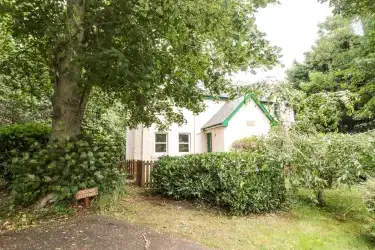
pixel 340 64
pixel 23 96
pixel 148 54
pixel 352 7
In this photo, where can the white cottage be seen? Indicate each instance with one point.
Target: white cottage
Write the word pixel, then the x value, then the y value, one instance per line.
pixel 214 130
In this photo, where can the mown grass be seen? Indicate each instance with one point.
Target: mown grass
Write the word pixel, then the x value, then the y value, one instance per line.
pixel 339 225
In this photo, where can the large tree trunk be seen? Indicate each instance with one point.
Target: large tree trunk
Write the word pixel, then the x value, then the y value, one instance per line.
pixel 70 92
pixel 69 104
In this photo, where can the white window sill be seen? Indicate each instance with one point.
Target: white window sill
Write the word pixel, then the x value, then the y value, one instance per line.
pixel 157 155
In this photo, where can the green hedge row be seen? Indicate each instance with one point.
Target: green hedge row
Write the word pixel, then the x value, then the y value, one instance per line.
pixel 241 182
pixel 35 166
pixel 62 168
pixel 317 161
pixel 18 138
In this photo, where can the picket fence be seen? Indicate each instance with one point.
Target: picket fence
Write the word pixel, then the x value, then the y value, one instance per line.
pixel 138 170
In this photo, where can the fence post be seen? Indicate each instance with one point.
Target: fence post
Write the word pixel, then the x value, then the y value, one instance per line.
pixel 143 174
pixel 134 168
pixel 138 176
pixel 150 178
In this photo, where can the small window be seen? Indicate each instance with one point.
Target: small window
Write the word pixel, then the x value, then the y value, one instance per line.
pixel 160 142
pixel 184 143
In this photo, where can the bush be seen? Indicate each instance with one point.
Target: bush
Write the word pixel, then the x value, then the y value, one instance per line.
pixel 19 138
pixel 242 182
pixel 368 194
pixel 63 167
pixel 321 161
pixel 318 161
pixel 249 144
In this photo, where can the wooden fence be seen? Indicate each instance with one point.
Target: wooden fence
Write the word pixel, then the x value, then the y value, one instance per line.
pixel 138 170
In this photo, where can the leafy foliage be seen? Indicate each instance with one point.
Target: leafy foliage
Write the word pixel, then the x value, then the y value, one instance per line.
pixel 319 112
pixel 63 167
pixel 337 75
pixel 18 106
pixel 248 144
pixel 242 182
pixel 352 7
pixel 368 193
pixel 105 116
pixel 25 88
pixel 321 161
pixel 324 112
pixel 150 55
pixel 16 139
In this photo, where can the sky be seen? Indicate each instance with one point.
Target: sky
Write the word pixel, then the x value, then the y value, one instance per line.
pixel 291 25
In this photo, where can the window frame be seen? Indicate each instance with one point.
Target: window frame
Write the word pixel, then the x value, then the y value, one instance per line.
pixel 166 142
pixel 184 143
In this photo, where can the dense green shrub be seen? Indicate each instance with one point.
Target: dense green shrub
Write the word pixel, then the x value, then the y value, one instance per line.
pixel 63 167
pixel 249 144
pixel 242 182
pixel 318 161
pixel 18 138
pixel 321 161
pixel 368 193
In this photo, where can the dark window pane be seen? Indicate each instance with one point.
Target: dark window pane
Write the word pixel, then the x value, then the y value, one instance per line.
pixel 161 137
pixel 160 148
pixel 183 138
pixel 183 148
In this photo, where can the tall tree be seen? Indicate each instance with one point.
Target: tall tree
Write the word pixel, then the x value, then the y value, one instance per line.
pixel 150 54
pixel 24 81
pixel 352 7
pixel 341 60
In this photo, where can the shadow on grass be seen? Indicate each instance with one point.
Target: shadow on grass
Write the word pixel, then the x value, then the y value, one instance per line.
pixel 342 204
pixel 345 217
pixel 146 194
pixel 367 239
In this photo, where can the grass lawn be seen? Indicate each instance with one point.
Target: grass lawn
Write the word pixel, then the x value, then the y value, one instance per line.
pixel 340 225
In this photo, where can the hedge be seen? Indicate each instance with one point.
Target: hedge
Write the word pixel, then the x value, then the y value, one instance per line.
pixel 240 182
pixel 35 166
pixel 18 138
pixel 249 144
pixel 319 161
pixel 62 168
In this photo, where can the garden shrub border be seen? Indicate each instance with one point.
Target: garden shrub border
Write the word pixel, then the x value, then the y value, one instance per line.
pixel 241 182
pixel 18 138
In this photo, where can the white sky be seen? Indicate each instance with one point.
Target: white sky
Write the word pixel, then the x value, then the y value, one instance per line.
pixel 291 25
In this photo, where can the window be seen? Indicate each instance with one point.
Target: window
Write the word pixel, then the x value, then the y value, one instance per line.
pixel 160 143
pixel 183 143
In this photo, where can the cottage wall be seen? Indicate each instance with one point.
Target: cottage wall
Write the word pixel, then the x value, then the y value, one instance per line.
pixel 198 140
pixel 218 139
pixel 248 121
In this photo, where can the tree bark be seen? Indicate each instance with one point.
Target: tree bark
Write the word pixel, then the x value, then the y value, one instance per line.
pixel 320 198
pixel 70 93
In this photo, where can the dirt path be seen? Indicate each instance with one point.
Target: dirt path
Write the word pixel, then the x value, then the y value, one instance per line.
pixel 94 233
